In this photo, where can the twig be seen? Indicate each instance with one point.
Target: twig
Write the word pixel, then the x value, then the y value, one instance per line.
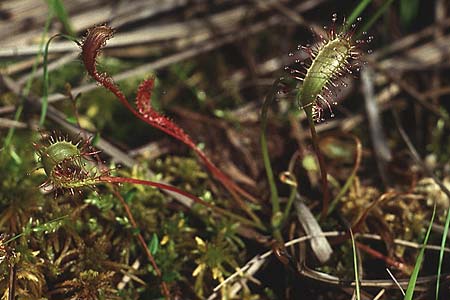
pixel 395 280
pixel 8 123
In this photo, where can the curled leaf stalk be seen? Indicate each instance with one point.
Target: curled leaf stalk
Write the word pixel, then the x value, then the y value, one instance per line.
pixel 91 46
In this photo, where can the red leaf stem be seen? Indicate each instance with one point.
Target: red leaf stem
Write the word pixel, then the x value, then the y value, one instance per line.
pixel 168 187
pixel 91 46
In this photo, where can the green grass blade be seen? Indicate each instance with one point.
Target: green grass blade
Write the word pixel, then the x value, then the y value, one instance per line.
pixel 357 11
pixel 45 87
pixel 60 12
pixel 27 87
pixel 441 252
pixel 56 8
pixel 375 16
pixel 412 280
pixel 46 77
pixel 290 201
pixel 355 267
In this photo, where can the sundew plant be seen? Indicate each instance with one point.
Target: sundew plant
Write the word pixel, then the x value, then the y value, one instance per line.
pixel 229 150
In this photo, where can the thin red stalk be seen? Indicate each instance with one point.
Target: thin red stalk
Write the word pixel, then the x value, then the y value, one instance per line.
pixel 164 287
pixel 221 211
pixel 356 227
pixel 230 185
pixel 91 46
pixel 389 261
pixel 234 189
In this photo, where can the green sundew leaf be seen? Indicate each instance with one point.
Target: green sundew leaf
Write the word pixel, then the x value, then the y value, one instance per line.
pixel 412 280
pixel 327 63
pixel 409 9
pixel 60 11
pixel 154 244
